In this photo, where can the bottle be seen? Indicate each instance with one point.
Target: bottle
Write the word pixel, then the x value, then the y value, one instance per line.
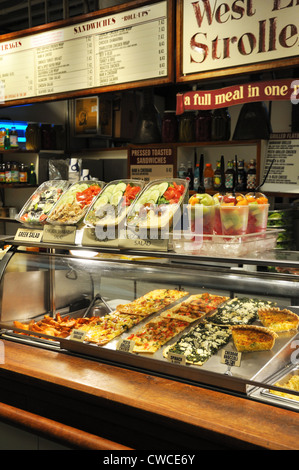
pixel 2 172
pixel 229 175
pixel 251 176
pixel 221 124
pixel 32 175
pixel 241 176
pixel 32 136
pixel 14 172
pixel 23 173
pixel 208 176
pixel 7 140
pixel 8 172
pixel 217 178
pixel 182 173
pixel 169 127
pixel 196 178
pixel 148 128
pixel 14 138
pixel 189 175
pixel 186 128
pixel 203 122
pixel 2 136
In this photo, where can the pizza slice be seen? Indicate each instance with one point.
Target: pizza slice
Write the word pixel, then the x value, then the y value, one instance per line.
pixel 152 302
pixel 186 311
pixel 278 320
pixel 206 302
pixel 200 343
pixel 156 333
pixel 253 338
pixel 109 327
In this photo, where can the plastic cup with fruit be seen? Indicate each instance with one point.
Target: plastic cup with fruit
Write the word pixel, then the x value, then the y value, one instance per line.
pixel 234 214
pixel 208 212
pixel 217 220
pixel 258 212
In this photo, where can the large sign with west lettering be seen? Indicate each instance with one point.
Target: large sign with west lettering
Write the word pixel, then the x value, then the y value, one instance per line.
pixel 223 37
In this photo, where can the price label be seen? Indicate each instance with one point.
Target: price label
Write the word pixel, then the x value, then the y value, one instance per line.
pixel 231 358
pixel 24 234
pixel 125 345
pixel 78 335
pixel 176 358
pixel 59 234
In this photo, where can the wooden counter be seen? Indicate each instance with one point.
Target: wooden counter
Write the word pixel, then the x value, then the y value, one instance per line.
pixel 59 393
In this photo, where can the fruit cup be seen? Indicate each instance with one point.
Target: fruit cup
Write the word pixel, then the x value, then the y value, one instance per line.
pixel 217 220
pixel 258 212
pixel 234 214
pixel 208 212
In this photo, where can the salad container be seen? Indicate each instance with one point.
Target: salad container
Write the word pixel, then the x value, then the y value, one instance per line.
pixel 75 202
pixel 111 206
pixel 157 205
pixel 36 210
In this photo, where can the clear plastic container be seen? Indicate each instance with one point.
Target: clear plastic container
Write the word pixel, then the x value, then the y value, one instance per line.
pixel 37 208
pixel 157 206
pixel 113 203
pixel 72 207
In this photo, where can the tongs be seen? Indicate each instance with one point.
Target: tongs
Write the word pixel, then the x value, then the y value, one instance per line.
pixel 91 305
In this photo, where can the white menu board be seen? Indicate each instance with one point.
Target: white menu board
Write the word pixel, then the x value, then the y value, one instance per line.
pixel 124 47
pixel 284 175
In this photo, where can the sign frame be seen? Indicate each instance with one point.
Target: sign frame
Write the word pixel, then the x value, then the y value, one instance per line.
pixel 223 71
pixel 51 27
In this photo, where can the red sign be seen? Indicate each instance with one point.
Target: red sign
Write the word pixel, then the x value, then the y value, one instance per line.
pixel 273 90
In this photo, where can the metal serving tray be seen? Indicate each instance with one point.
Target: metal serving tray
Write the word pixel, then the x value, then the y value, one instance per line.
pixel 283 376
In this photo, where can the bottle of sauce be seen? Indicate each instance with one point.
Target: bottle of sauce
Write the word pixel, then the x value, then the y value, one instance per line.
pixel 251 176
pixel 186 128
pixel 14 138
pixel 217 180
pixel 169 127
pixel 221 124
pixel 23 173
pixel 14 172
pixel 2 136
pixel 196 178
pixel 32 175
pixel 2 173
pixel 208 176
pixel 8 172
pixel 241 176
pixel 189 175
pixel 203 123
pixel 33 137
pixel 229 175
pixel 7 140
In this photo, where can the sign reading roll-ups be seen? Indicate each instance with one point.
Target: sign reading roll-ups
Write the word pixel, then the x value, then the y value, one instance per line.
pixel 239 35
pixel 117 48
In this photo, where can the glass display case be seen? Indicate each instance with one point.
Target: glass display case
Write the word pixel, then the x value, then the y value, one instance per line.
pixel 70 298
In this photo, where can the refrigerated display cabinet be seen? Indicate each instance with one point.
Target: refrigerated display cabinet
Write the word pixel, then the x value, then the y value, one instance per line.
pixel 77 282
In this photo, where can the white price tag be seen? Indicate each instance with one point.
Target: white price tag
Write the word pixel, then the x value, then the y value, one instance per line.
pixel 176 358
pixel 24 234
pixel 78 335
pixel 231 358
pixel 125 345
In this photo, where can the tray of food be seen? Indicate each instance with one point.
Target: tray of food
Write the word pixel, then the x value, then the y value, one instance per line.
pixel 36 210
pixel 288 380
pixel 75 202
pixel 111 206
pixel 157 205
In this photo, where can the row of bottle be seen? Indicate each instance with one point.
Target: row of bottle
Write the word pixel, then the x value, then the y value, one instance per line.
pixel 8 138
pixel 14 172
pixel 238 179
pixel 44 137
pixel 202 126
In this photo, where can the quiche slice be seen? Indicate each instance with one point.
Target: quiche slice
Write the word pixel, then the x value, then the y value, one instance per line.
pixel 278 320
pixel 253 338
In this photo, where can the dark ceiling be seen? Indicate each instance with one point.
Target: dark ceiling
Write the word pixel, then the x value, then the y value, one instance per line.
pixel 17 15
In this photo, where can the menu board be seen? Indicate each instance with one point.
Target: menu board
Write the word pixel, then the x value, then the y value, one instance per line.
pixel 284 175
pixel 123 47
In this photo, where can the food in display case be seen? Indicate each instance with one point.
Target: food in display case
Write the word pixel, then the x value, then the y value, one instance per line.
pixel 157 204
pixel 195 307
pixel 156 333
pixel 200 343
pixel 151 302
pixel 36 210
pixel 240 311
pixel 291 382
pixel 234 214
pixel 72 207
pixel 112 205
pixel 249 338
pixel 278 320
pixel 208 212
pixel 258 212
